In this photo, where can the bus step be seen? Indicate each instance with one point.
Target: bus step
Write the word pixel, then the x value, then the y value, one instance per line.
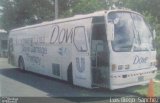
pixel 94 86
pixel 98 85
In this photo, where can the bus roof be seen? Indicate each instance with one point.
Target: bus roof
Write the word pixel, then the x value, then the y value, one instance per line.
pixel 99 13
pixel 76 17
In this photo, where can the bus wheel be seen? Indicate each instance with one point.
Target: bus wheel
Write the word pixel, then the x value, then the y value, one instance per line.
pixel 69 74
pixel 21 64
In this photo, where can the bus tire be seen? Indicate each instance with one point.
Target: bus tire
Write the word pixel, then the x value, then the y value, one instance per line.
pixel 70 74
pixel 21 64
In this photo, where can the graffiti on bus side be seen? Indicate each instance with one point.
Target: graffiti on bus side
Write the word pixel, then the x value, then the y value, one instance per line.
pixel 61 35
pixel 34 59
pixel 39 50
pixel 33 40
pixel 33 45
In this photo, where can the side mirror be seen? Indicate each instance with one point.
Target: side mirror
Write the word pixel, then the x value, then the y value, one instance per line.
pixel 110 31
pixel 154 34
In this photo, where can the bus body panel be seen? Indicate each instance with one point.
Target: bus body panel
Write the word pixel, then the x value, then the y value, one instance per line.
pixel 81 54
pixel 140 69
pixel 133 67
pixel 49 49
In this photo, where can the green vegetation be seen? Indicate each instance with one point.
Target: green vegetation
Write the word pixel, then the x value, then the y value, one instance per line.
pixel 158 76
pixel 143 90
pixel 16 13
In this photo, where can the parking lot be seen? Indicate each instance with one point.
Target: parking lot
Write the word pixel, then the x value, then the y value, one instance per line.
pixel 15 83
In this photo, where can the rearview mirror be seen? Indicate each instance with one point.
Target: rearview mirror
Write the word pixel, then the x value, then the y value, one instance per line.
pixel 154 34
pixel 110 31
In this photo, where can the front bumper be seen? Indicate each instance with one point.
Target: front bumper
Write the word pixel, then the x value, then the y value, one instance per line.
pixel 132 78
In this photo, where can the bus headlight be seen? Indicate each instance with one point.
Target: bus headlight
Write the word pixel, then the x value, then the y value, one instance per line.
pixel 120 67
pixel 114 67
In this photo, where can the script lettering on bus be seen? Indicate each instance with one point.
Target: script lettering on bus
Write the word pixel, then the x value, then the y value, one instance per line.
pixel 61 35
pixel 140 60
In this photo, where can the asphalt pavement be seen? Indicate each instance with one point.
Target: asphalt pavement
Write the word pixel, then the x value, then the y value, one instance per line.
pixel 15 83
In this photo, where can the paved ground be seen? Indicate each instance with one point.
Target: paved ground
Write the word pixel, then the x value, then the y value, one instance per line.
pixel 14 83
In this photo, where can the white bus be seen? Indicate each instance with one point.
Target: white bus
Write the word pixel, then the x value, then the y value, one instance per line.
pixel 111 49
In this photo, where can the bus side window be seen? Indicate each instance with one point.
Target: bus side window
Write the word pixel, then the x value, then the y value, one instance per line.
pixel 80 39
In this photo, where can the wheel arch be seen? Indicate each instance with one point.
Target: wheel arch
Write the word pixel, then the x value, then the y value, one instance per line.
pixel 20 57
pixel 21 60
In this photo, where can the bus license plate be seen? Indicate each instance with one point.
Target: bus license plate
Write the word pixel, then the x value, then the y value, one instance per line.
pixel 140 78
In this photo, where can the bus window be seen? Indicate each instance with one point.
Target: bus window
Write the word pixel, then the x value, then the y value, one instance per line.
pixel 80 39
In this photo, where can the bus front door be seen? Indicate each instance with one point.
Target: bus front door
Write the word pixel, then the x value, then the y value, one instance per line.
pixel 99 56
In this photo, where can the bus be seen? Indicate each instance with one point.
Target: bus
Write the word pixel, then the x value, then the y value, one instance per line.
pixel 3 43
pixel 109 49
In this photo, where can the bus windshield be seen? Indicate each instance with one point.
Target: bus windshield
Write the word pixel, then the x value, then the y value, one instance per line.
pixel 130 32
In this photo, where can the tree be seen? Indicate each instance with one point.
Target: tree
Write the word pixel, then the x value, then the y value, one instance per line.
pixel 88 6
pixel 17 13
pixel 150 6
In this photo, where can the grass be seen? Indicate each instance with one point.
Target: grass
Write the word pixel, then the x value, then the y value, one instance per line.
pixel 143 90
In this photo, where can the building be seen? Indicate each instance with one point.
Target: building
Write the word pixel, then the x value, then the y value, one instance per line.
pixel 3 43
